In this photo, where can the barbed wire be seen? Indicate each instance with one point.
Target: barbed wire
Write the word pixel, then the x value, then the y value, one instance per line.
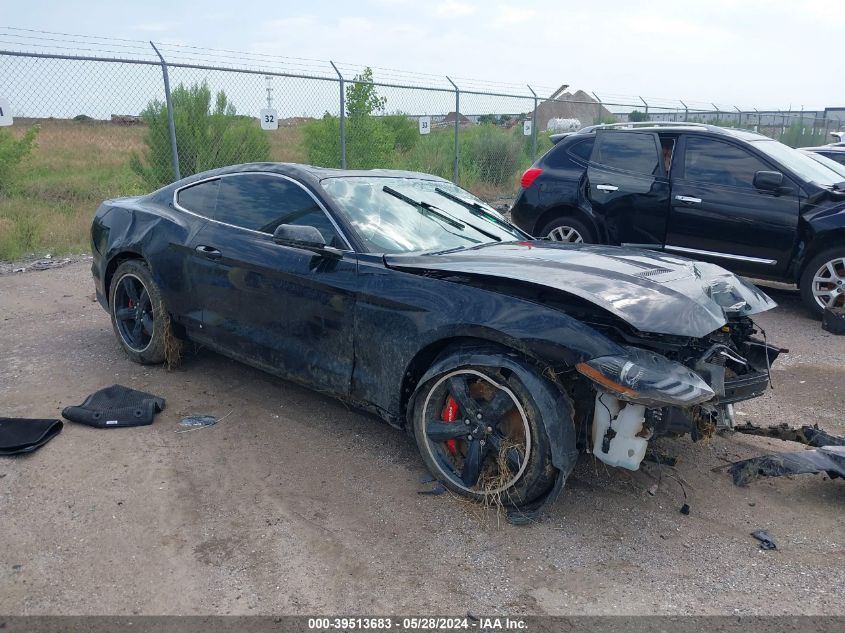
pixel 19 39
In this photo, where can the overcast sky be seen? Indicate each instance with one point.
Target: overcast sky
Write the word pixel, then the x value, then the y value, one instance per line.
pixel 753 53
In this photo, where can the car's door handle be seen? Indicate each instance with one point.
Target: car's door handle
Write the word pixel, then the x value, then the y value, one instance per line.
pixel 688 199
pixel 607 187
pixel 209 251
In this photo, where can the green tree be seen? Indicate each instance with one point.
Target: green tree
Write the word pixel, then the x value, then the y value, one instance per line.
pixel 13 151
pixel 362 99
pixel 637 116
pixel 206 136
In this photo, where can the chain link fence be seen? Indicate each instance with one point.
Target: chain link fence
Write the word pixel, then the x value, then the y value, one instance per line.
pixel 125 117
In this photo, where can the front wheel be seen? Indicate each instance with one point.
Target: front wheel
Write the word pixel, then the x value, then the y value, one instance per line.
pixel 480 432
pixel 823 281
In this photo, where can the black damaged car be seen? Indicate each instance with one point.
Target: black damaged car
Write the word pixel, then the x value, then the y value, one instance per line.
pixel 732 197
pixel 411 298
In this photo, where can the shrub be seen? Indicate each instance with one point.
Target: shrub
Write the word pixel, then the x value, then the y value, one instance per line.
pixel 12 153
pixel 322 141
pixel 206 137
pixel 490 154
pixel 404 131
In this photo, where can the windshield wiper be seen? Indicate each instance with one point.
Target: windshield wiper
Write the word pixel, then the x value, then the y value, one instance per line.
pixel 425 207
pixel 474 208
pixel 440 213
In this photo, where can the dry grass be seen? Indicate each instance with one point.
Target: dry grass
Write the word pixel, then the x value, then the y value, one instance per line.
pixel 74 167
pixel 286 145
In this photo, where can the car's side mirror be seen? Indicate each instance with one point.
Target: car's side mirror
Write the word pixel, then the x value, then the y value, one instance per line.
pixel 306 237
pixel 768 180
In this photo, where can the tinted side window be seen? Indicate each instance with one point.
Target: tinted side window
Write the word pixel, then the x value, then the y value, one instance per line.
pixel 719 163
pixel 200 199
pixel 629 151
pixel 839 157
pixel 261 203
pixel 583 149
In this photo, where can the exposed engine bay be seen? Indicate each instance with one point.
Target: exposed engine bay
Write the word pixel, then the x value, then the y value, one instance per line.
pixel 671 386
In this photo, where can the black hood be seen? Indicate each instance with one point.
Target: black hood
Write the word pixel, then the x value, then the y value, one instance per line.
pixel 652 291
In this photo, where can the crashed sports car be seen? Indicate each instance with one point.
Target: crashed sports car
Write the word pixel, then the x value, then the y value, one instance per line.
pixel 409 297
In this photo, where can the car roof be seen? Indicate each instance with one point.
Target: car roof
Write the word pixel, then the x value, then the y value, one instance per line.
pixel 318 173
pixel 834 149
pixel 680 126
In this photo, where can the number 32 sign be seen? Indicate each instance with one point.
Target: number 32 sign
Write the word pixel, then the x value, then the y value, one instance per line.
pixel 269 120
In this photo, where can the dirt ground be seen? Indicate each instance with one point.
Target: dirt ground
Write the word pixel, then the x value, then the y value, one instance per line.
pixel 295 504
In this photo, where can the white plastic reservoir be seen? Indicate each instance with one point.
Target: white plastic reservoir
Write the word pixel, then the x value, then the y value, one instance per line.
pixel 626 450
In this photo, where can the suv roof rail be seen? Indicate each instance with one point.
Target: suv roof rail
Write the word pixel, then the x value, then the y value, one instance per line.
pixel 626 124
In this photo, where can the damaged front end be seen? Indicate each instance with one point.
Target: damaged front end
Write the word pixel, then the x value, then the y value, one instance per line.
pixel 670 386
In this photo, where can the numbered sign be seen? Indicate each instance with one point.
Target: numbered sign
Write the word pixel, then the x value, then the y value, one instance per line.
pixel 425 124
pixel 5 112
pixel 526 128
pixel 269 119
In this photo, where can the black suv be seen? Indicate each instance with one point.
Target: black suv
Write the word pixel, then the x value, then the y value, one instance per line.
pixel 732 197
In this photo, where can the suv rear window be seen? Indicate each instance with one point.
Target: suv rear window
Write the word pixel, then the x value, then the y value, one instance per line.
pixel 583 149
pixel 631 151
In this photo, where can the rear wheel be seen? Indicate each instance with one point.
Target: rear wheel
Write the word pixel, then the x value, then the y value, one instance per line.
pixel 569 230
pixel 823 281
pixel 480 433
pixel 138 315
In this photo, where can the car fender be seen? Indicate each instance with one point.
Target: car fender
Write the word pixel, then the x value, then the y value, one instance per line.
pixel 819 229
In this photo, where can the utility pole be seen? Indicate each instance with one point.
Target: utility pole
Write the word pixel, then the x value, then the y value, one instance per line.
pixel 269 92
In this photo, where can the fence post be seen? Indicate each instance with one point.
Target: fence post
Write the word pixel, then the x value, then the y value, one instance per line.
pixel 740 115
pixel 455 178
pixel 342 117
pixel 646 107
pixel 533 125
pixel 600 106
pixel 171 125
pixel 686 110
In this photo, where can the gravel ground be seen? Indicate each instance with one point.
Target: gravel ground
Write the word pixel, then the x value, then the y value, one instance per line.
pixel 295 504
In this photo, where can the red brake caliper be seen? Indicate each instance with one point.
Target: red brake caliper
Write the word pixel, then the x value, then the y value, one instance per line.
pixel 450 414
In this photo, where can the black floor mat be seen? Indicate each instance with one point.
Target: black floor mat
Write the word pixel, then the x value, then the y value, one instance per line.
pixel 116 406
pixel 23 435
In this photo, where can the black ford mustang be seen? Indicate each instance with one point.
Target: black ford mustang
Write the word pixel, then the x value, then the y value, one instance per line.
pixel 407 296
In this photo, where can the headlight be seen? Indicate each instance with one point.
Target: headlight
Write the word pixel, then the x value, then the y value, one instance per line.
pixel 647 378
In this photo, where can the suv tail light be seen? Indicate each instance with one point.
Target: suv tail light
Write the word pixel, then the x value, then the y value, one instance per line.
pixel 530 176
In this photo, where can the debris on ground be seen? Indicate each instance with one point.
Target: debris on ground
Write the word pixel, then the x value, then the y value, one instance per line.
pixel 833 320
pixel 766 540
pixel 685 509
pixel 196 422
pixel 826 459
pixel 809 435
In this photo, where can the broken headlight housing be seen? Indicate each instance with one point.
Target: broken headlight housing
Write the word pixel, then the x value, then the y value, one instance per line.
pixel 646 378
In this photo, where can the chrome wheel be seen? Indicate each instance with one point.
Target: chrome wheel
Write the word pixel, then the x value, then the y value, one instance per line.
pixel 476 432
pixel 829 284
pixel 565 234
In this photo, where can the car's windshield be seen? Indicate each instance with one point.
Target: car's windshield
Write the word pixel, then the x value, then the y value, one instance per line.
pixel 396 215
pixel 800 164
pixel 827 162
